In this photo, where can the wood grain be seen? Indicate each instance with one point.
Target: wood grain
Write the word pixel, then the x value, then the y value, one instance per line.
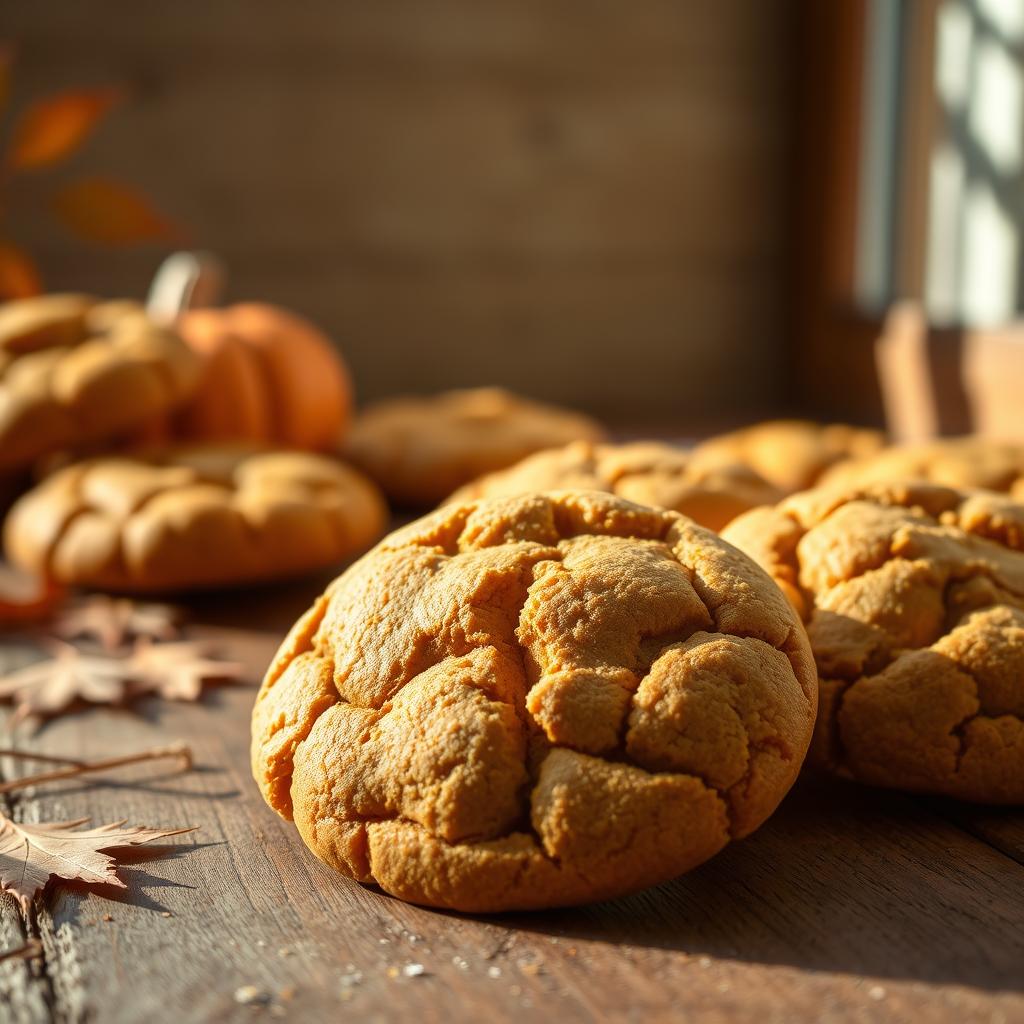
pixel 586 201
pixel 849 905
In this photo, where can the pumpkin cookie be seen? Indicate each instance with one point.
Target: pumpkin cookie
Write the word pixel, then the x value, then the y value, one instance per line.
pixel 74 370
pixel 535 701
pixel 644 471
pixel 952 461
pixel 791 454
pixel 420 449
pixel 191 518
pixel 913 595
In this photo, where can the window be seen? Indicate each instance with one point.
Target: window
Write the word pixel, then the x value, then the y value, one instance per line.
pixel 941 199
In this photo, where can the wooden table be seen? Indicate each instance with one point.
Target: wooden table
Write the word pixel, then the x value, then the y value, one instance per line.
pixel 849 905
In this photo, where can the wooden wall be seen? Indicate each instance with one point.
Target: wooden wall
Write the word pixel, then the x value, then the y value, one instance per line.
pixel 587 201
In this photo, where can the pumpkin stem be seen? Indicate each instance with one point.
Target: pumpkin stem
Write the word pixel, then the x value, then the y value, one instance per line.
pixel 185 280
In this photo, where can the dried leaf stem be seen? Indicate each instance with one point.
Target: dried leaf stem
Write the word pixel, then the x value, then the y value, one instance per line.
pixel 181 751
pixel 28 755
pixel 31 950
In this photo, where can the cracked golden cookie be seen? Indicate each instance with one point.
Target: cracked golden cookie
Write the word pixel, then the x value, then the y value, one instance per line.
pixel 191 518
pixel 791 454
pixel 953 461
pixel 913 595
pixel 74 370
pixel 535 701
pixel 644 471
pixel 420 449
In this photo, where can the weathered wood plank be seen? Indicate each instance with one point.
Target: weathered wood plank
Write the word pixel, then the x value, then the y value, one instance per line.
pixel 24 986
pixel 601 189
pixel 849 904
pixel 456 31
pixel 1000 827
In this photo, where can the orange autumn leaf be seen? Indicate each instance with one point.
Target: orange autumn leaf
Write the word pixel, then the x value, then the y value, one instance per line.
pixel 19 277
pixel 101 210
pixel 52 128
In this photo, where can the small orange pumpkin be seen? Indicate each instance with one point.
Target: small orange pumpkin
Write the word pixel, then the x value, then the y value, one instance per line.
pixel 270 377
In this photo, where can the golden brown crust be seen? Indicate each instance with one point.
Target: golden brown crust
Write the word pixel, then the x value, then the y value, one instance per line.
pixel 192 517
pixel 535 701
pixel 790 454
pixel 420 449
pixel 969 462
pixel 913 595
pixel 73 370
pixel 647 472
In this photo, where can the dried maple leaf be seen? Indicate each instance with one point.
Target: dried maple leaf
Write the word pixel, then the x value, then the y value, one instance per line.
pixel 178 671
pixel 30 855
pixel 175 671
pixel 47 687
pixel 113 621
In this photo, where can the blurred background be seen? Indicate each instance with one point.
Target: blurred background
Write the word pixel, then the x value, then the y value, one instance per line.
pixel 674 215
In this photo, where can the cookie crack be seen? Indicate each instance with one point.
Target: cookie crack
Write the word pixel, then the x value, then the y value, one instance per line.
pixel 791 562
pixel 938 513
pixel 959 733
pixel 786 647
pixel 836 748
pixel 959 730
pixel 442 651
pixel 459 632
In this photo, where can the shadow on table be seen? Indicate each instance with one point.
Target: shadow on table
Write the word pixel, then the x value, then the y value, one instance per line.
pixel 843 878
pixel 266 606
pixel 157 786
pixel 70 901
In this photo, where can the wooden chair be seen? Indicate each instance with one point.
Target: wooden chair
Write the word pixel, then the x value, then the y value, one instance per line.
pixel 949 380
